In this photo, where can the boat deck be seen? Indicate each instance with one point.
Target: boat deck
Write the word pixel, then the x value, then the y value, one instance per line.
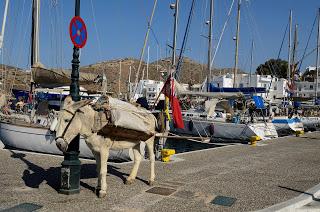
pixel 257 177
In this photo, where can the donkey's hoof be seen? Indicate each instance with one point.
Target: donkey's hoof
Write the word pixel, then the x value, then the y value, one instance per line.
pixel 151 182
pixel 129 181
pixel 102 194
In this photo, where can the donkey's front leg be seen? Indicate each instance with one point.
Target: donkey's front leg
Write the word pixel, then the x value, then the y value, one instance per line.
pixel 104 154
pixel 150 147
pixel 137 159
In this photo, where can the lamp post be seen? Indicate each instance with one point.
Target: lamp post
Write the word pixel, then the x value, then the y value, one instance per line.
pixel 71 166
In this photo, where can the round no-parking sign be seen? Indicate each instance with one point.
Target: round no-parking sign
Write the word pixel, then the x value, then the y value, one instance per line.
pixel 78 32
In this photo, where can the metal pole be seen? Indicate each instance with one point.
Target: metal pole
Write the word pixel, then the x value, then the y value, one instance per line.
pixel 176 13
pixel 71 166
pixel 4 23
pixel 251 60
pixel 317 60
pixel 119 80
pixel 143 49
pixel 209 45
pixel 148 57
pixel 35 33
pixel 237 46
pixel 289 47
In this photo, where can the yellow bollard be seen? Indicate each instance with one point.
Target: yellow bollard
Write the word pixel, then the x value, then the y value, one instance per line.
pixel 166 153
pixel 254 139
pixel 299 132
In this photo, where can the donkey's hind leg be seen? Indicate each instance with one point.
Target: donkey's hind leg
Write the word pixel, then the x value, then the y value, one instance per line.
pixel 137 159
pixel 150 146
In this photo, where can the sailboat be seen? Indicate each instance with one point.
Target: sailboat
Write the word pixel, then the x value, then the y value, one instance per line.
pixel 289 124
pixel 20 132
pixel 213 121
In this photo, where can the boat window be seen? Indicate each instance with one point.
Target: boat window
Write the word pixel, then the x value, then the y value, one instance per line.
pixel 203 116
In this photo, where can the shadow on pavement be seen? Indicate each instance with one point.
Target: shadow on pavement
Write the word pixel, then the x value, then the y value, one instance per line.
pixel 302 192
pixel 35 175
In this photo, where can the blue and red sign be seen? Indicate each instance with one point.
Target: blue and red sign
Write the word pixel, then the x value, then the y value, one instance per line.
pixel 78 32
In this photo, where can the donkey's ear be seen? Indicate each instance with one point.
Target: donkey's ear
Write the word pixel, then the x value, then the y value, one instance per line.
pixel 77 105
pixel 67 101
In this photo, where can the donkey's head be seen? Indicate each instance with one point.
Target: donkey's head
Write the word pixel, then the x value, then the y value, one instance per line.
pixel 69 122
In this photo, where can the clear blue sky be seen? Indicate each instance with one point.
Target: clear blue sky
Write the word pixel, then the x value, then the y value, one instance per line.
pixel 116 29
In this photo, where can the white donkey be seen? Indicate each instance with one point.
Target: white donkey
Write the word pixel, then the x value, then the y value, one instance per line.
pixel 78 118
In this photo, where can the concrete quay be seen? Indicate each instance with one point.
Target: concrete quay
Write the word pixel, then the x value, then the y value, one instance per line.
pixel 279 174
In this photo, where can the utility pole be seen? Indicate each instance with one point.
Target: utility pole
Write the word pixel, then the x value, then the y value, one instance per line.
pixel 209 45
pixel 71 166
pixel 237 46
pixel 317 60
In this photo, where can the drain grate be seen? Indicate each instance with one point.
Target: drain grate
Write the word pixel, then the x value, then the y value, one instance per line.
pixel 224 201
pixel 161 191
pixel 24 207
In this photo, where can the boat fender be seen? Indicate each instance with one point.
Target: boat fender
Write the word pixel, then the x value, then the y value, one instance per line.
pixel 211 129
pixel 190 125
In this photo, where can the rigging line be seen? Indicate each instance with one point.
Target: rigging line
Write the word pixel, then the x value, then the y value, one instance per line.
pixel 20 40
pixel 51 30
pixel 309 53
pixel 222 32
pixel 184 42
pixel 305 50
pixel 271 66
pixel 202 42
pixel 62 36
pixel 143 49
pixel 24 36
pixel 96 29
pixel 154 36
pixel 15 21
pixel 284 36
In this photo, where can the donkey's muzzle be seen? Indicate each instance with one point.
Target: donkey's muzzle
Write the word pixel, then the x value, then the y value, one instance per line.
pixel 61 144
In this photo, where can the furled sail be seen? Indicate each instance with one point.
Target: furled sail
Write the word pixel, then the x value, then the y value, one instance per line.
pixel 50 78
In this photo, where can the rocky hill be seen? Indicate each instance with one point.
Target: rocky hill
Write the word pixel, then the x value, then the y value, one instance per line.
pixel 191 72
pixel 14 78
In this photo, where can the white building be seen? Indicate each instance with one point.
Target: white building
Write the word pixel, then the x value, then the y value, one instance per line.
pixel 150 89
pixel 276 88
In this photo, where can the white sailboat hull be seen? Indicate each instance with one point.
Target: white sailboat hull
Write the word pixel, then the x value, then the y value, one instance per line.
pixel 286 126
pixel 310 123
pixel 37 139
pixel 226 130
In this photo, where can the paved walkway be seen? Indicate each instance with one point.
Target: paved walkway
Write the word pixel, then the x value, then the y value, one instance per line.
pixel 257 177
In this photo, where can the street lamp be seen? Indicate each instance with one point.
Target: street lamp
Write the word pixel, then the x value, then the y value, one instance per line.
pixel 71 166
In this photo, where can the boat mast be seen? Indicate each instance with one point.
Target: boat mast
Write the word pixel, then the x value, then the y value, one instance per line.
pixel 1 41
pixel 317 59
pixel 176 13
pixel 148 63
pixel 4 23
pixel 251 60
pixel 295 45
pixel 237 46
pixel 209 45
pixel 35 33
pixel 143 49
pixel 119 81
pixel 289 47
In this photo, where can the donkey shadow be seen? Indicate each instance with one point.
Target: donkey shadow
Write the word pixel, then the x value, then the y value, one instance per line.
pixel 35 175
